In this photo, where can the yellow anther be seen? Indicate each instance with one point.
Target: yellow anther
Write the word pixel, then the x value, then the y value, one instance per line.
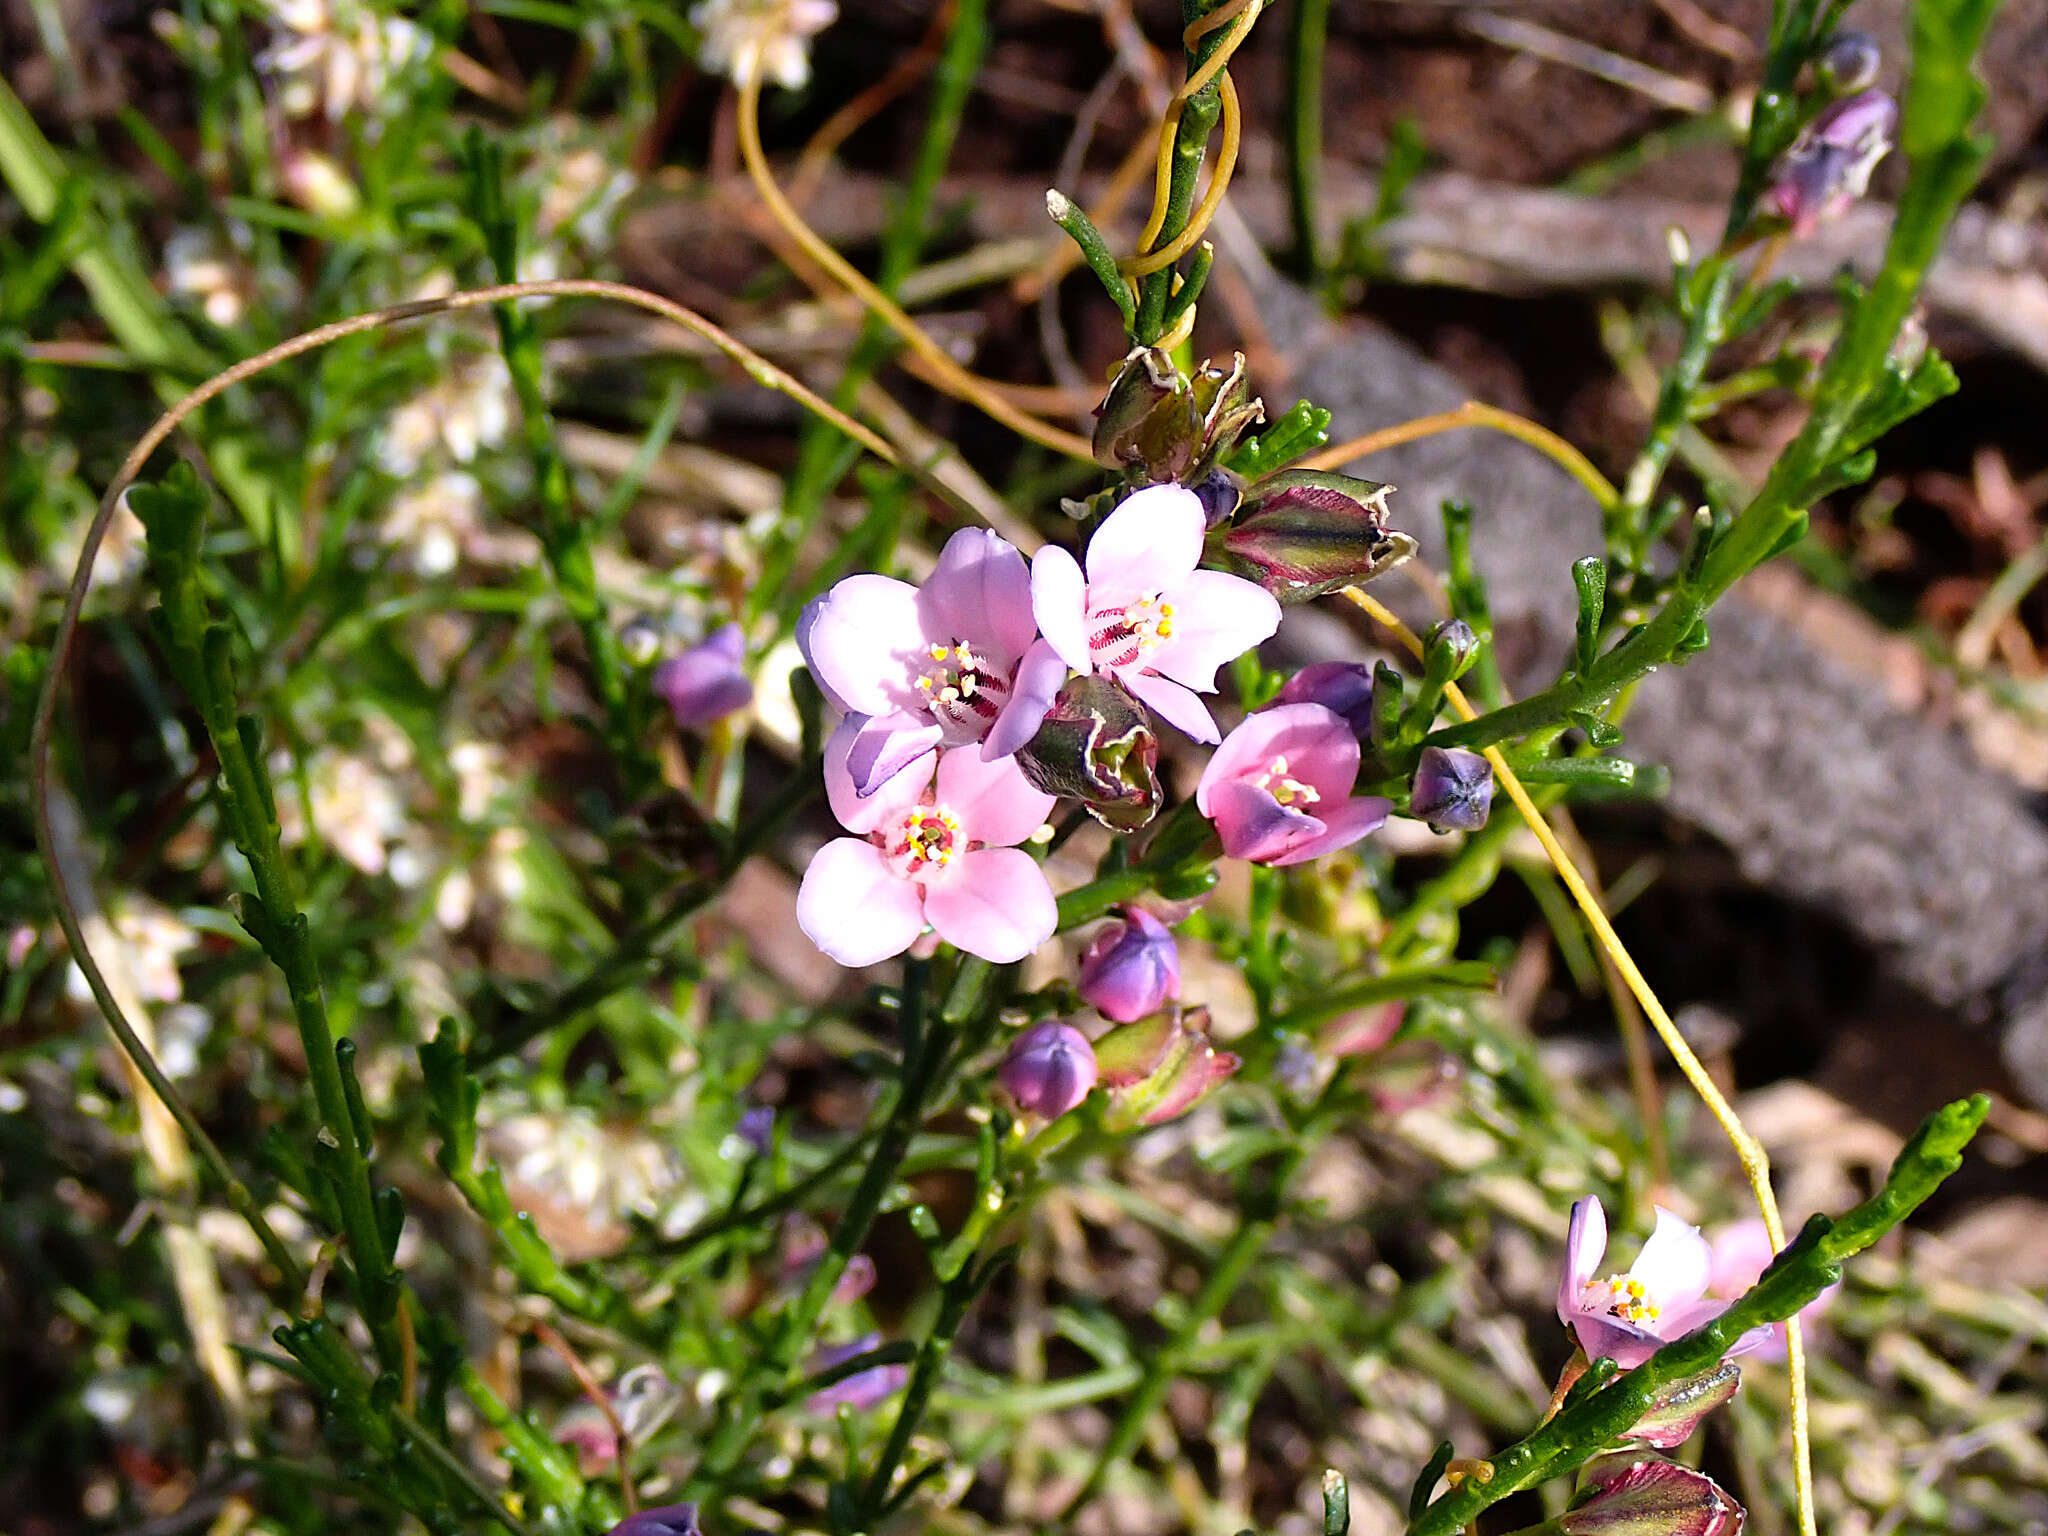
pixel 938 653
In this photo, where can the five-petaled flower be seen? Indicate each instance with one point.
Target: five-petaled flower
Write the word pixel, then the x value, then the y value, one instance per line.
pixel 950 664
pixel 1628 1317
pixel 1279 788
pixel 1143 613
pixel 932 846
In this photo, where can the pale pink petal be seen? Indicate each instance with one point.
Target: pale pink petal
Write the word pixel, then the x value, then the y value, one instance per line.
pixel 1149 543
pixel 995 903
pixel 1217 617
pixel 1059 603
pixel 980 592
pixel 1675 1263
pixel 1344 823
pixel 1585 1245
pixel 858 813
pixel 1742 1252
pixel 805 622
pixel 1174 704
pixel 1039 677
pixel 1255 826
pixel 996 804
pixel 867 643
pixel 1610 1338
pixel 854 907
pixel 1319 747
pixel 891 747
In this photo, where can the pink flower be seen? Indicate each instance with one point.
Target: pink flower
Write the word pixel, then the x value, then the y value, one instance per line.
pixel 1279 788
pixel 1144 614
pixel 948 664
pixel 934 846
pixel 1628 1317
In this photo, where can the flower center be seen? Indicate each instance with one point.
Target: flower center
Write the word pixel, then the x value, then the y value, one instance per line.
pixel 1276 782
pixel 1620 1297
pixel 1123 635
pixel 962 692
pixel 926 841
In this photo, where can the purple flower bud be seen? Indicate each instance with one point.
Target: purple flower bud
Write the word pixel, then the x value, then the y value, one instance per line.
pixel 1050 1069
pixel 1303 533
pixel 669 1520
pixel 1828 166
pixel 1453 789
pixel 862 1390
pixel 1630 1494
pixel 706 682
pixel 1131 968
pixel 1849 62
pixel 757 1128
pixel 1342 687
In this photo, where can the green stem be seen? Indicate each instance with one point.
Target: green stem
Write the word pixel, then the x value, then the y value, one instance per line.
pixel 629 959
pixel 1190 145
pixel 1705 330
pixel 955 1298
pixel 1307 34
pixel 1454 975
pixel 927 1050
pixel 1238 1256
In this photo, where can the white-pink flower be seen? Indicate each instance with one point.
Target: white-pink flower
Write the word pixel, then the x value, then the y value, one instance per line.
pixel 1628 1317
pixel 1144 614
pixel 1279 788
pixel 948 664
pixel 933 847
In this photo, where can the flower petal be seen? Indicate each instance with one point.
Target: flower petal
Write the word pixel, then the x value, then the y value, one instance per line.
pixel 1611 1339
pixel 892 795
pixel 1675 1263
pixel 1585 1245
pixel 1039 676
pixel 980 592
pixel 996 903
pixel 1149 543
pixel 806 621
pixel 854 907
pixel 996 804
pixel 1318 745
pixel 1255 826
pixel 1344 823
pixel 1174 704
pixel 866 643
pixel 1217 617
pixel 1059 602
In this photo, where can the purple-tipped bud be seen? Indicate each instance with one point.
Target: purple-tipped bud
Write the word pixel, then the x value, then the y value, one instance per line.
pixel 706 682
pixel 1633 1495
pixel 757 1128
pixel 1453 789
pixel 1303 533
pixel 862 1390
pixel 1050 1069
pixel 669 1520
pixel 1342 687
pixel 1454 642
pixel 1131 968
pixel 1097 745
pixel 1159 1068
pixel 1221 493
pixel 1828 167
pixel 1849 62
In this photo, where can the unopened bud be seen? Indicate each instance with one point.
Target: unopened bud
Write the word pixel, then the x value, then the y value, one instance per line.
pixel 1149 420
pixel 1453 646
pixel 319 185
pixel 1303 533
pixel 1131 968
pixel 1828 166
pixel 1342 687
pixel 1160 1067
pixel 1453 789
pixel 1049 1070
pixel 669 1520
pixel 1676 1410
pixel 1849 62
pixel 706 682
pixel 1632 1495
